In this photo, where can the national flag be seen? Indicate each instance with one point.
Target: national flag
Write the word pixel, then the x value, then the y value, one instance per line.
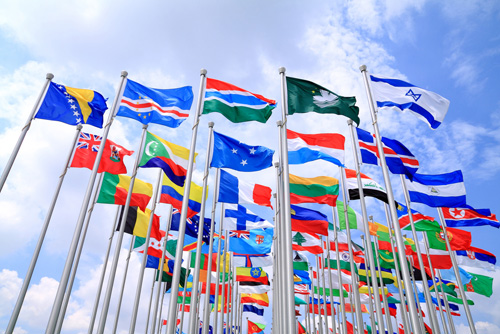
pixel 205 264
pixel 306 96
pixel 168 272
pixel 192 226
pixel 332 264
pixel 476 257
pixel 321 190
pixel 114 190
pixel 252 260
pixel 155 245
pixel 137 222
pixel 300 262
pixel 387 276
pixel 173 194
pixel 459 239
pixel 301 328
pixel 449 274
pixel 230 153
pixel 443 190
pixel 457 300
pixel 394 93
pixel 254 309
pixel 346 279
pixel 233 190
pixel 112 157
pixel 355 218
pixel 169 107
pixel 301 276
pixel 236 104
pixel 331 292
pixel 255 298
pixel 370 187
pixel 399 159
pixel 458 217
pixel 440 258
pixel 447 286
pixel 72 106
pixel 309 221
pixel 237 217
pixel 301 289
pixel 303 148
pixel 308 242
pixel 172 158
pixel 300 301
pixel 254 328
pixel 317 309
pixel 421 222
pixel 256 241
pixel 248 287
pixel 480 284
pixel 255 275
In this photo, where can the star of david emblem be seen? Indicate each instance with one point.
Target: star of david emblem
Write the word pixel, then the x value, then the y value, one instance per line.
pixel 415 96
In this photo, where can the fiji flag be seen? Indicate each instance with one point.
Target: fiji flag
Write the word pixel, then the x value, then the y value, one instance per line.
pixel 256 241
pixel 443 190
pixel 169 107
pixel 72 106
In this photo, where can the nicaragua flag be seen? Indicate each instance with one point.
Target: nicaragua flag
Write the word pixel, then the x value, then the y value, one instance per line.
pixel 427 105
pixel 442 190
pixel 169 107
pixel 237 217
pixel 233 190
pixel 303 148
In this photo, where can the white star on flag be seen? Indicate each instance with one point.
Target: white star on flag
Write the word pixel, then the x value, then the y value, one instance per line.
pixel 252 151
pixel 243 162
pixel 73 107
pixel 76 113
pixel 235 151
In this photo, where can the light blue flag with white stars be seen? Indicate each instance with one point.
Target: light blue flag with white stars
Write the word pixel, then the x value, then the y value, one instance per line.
pixel 72 106
pixel 231 153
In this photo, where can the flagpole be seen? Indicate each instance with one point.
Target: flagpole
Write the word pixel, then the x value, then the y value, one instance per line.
pixel 320 325
pixel 341 285
pixel 223 284
pixel 390 198
pixel 231 299
pixel 417 296
pixel 446 305
pixel 368 285
pixel 217 271
pixel 321 258
pixel 311 299
pixel 103 272
pixel 281 296
pixel 150 300
pixel 79 225
pixel 41 238
pixel 330 281
pixel 457 273
pixel 230 289
pixel 290 292
pixel 20 140
pixel 183 305
pixel 163 290
pixel 384 297
pixel 308 318
pixel 237 301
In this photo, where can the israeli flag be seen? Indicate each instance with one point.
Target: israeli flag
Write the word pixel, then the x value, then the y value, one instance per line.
pixel 443 190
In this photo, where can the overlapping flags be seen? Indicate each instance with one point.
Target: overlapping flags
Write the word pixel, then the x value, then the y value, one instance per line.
pixel 237 217
pixel 114 190
pixel 192 226
pixel 233 190
pixel 252 260
pixel 303 148
pixel 173 194
pixel 420 221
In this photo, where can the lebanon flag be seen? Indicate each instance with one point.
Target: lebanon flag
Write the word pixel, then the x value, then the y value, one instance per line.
pixel 370 187
pixel 112 157
pixel 320 146
pixel 234 190
pixel 309 242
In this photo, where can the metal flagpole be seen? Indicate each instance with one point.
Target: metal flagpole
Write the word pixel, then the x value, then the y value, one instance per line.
pixel 116 256
pixel 217 271
pixel 341 285
pixel 231 299
pixel 368 285
pixel 237 301
pixel 150 300
pixel 185 200
pixel 20 140
pixel 229 291
pixel 384 297
pixel 419 309
pixel 223 286
pixel 103 272
pixel 280 249
pixel 201 224
pixel 41 238
pixel 183 305
pixel 309 325
pixel 51 325
pixel 140 279
pixel 240 318
pixel 320 325
pixel 330 281
pixel 322 259
pixel 287 228
pixel 457 273
pixel 311 299
pixel 392 203
pixel 163 291
pixel 446 305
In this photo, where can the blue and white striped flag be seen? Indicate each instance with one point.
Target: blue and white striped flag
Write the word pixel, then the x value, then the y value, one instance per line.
pixel 443 190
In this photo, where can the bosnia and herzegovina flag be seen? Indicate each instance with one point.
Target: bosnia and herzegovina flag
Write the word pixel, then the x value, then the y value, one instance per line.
pixel 72 106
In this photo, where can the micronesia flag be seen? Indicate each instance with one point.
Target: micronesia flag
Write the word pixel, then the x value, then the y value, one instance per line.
pixel 169 107
pixel 234 190
pixel 443 190
pixel 399 159
pixel 303 148
pixel 237 217
pixel 458 217
pixel 427 105
pixel 230 153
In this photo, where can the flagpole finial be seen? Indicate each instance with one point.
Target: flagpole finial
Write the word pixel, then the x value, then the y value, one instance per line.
pixel 274 195
pixel 124 74
pixel 210 124
pixel 276 164
pixel 203 71
pixel 362 68
pixel 279 123
pixel 349 122
pixel 49 76
pixel 282 70
pixel 79 126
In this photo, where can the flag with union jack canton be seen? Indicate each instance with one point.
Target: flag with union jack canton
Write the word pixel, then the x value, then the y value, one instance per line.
pixel 256 241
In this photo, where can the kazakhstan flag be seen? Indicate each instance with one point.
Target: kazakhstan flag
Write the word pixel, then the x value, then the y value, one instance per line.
pixel 72 106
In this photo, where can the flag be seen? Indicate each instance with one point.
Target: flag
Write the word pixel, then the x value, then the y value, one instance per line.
pixel 480 284
pixel 302 241
pixel 230 153
pixel 301 276
pixel 458 217
pixel 192 226
pixel 394 93
pixel 236 104
pixel 440 258
pixel 173 194
pixel 370 187
pixel 156 240
pixel 233 190
pixel 309 221
pixel 303 148
pixel 321 190
pixel 114 190
pixel 301 328
pixel 237 217
pixel 255 275
pixel 476 257
pixel 86 152
pixel 252 260
pixel 255 298
pixel 306 96
pixel 316 309
pixel 448 286
pixel 254 328
pixel 300 262
pixel 399 159
pixel 137 222
pixel 72 106
pixel 301 289
pixel 205 264
pixel 421 222
pixel 253 308
pixel 172 158
pixel 387 276
pixel 249 287
pixel 256 241
pixel 355 219
pixel 169 107
pixel 443 190
pixel 459 239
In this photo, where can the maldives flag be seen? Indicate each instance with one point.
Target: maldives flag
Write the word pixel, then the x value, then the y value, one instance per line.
pixel 233 190
pixel 458 217
pixel 112 157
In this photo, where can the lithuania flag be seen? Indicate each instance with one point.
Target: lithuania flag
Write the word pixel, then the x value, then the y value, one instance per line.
pixel 321 190
pixel 114 190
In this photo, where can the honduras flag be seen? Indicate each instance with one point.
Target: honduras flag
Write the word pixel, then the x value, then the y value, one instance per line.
pixel 443 190
pixel 428 106
pixel 230 153
pixel 237 217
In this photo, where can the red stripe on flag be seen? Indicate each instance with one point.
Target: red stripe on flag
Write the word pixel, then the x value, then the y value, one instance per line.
pixel 330 140
pixel 262 195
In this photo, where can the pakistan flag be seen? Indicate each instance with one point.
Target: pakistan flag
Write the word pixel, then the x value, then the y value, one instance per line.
pixel 306 96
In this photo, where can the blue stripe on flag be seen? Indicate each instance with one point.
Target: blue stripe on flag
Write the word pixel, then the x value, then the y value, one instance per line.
pixel 392 82
pixel 236 98
pixel 169 191
pixel 253 309
pixel 413 107
pixel 440 179
pixel 228 188
pixel 305 154
pixel 437 201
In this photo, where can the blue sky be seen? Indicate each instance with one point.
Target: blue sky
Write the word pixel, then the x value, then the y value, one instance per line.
pixel 451 48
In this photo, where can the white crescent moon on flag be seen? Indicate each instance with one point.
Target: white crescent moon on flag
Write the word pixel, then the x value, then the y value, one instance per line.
pixel 148 146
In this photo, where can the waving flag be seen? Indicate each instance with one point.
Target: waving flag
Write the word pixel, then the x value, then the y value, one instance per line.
pixel 172 194
pixel 233 190
pixel 137 222
pixel 459 239
pixel 307 220
pixel 72 106
pixel 252 260
pixel 476 257
pixel 303 148
pixel 236 104
pixel 458 217
pixel 308 242
pixel 256 275
pixel 169 107
pixel 321 190
pixel 237 217
pixel 480 284
pixel 399 159
pixel 255 309
pixel 370 187
pixel 257 241
pixel 421 222
pixel 114 190
pixel 427 105
pixel 443 190
pixel 192 226
pixel 255 298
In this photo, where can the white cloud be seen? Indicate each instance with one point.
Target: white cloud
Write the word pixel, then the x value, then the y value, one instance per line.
pixel 481 327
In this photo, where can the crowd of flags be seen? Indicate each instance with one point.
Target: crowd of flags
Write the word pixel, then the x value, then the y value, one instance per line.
pixel 225 281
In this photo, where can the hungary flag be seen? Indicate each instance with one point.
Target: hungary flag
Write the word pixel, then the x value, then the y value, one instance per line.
pixel 114 190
